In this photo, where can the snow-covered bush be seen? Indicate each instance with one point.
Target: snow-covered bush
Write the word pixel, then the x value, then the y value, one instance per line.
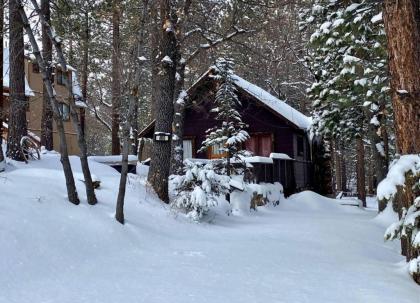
pixel 404 179
pixel 197 190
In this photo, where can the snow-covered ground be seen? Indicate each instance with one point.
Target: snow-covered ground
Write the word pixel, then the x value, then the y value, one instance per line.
pixel 307 249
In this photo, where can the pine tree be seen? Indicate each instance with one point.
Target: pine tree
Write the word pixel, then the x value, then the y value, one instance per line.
pixel 230 132
pixel 348 59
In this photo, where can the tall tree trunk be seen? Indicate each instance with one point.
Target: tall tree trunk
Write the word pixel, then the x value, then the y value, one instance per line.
pixel 90 192
pixel 85 68
pixel 402 26
pixel 161 152
pixel 47 113
pixel 338 167
pixel 116 78
pixel 1 84
pixel 155 38
pixel 360 167
pixel 17 99
pixel 68 174
pixel 177 152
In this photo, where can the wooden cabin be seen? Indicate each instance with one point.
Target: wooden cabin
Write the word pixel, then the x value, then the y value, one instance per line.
pixel 278 133
pixel 34 95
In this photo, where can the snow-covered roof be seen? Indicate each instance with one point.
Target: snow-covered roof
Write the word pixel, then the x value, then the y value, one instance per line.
pixel 6 69
pixel 77 91
pixel 274 103
pixel 280 156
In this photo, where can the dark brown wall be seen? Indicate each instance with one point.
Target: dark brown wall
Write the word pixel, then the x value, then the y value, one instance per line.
pixel 198 119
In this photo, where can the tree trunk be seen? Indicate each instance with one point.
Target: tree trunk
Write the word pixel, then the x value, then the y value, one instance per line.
pixel 47 113
pixel 133 86
pixel 119 212
pixel 177 152
pixel 65 161
pixel 17 99
pixel 161 152
pixel 90 191
pixel 155 38
pixel 402 26
pixel 116 78
pixel 85 68
pixel 1 84
pixel 361 187
pixel 338 167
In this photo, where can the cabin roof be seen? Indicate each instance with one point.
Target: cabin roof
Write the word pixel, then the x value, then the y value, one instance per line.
pixel 6 69
pixel 28 91
pixel 274 104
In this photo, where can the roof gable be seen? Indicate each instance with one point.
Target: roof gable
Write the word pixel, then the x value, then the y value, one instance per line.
pixel 265 98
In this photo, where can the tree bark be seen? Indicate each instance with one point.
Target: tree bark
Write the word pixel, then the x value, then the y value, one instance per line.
pixel 68 174
pixel 1 83
pixel 361 187
pixel 85 68
pixel 90 191
pixel 155 38
pixel 47 113
pixel 161 152
pixel 402 26
pixel 116 78
pixel 17 99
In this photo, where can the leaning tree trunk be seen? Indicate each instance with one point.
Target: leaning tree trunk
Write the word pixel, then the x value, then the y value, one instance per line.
pixel 402 26
pixel 47 113
pixel 1 83
pixel 116 79
pixel 90 191
pixel 161 152
pixel 360 167
pixel 119 212
pixel 133 86
pixel 68 174
pixel 17 98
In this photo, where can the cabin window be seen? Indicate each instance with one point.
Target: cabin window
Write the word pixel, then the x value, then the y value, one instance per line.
pixel 300 145
pixel 187 148
pixel 35 68
pixel 64 111
pixel 217 151
pixel 260 144
pixel 62 78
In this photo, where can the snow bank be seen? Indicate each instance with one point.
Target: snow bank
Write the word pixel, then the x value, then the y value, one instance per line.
pixel 241 200
pixel 112 159
pixel 386 217
pixel 313 202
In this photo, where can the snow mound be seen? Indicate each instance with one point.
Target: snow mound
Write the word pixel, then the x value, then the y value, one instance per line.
pixel 313 202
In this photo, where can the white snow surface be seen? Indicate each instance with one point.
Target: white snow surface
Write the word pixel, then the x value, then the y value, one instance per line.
pixel 6 73
pixel 280 156
pixel 309 249
pixel 274 103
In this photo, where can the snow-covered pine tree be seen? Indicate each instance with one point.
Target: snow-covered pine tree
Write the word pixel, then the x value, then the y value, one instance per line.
pixel 348 59
pixel 230 132
pixel 197 190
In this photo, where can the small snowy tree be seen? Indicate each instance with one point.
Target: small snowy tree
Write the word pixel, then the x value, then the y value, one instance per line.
pixel 197 190
pixel 403 180
pixel 230 133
